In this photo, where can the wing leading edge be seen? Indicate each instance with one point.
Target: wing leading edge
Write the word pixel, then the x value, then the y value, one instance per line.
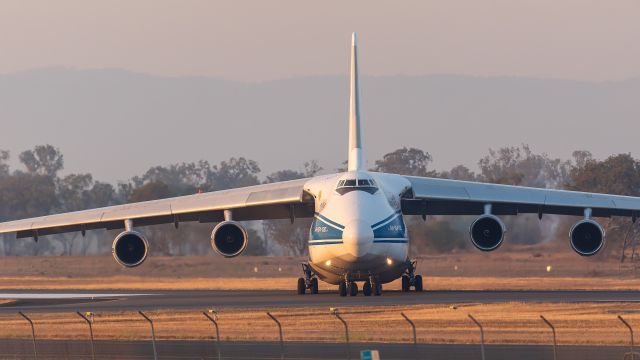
pixel 431 196
pixel 268 201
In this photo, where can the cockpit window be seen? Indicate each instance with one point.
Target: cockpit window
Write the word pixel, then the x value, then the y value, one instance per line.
pixel 367 185
pixel 351 182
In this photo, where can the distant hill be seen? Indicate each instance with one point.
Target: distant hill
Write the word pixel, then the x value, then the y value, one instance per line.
pixel 116 124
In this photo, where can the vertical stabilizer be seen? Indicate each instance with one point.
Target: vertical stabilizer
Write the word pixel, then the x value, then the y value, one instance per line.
pixel 356 158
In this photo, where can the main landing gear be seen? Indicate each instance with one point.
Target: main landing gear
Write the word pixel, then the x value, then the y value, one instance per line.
pixel 371 287
pixel 309 281
pixel 410 278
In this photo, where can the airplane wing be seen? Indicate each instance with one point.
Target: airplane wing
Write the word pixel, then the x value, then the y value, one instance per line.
pixel 268 201
pixel 432 196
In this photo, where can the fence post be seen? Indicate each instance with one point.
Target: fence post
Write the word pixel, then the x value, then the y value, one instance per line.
pixel 85 317
pixel 280 331
pixel 631 332
pixel 413 326
pixel 481 334
pixel 33 333
pixel 553 331
pixel 153 335
pixel 334 312
pixel 213 318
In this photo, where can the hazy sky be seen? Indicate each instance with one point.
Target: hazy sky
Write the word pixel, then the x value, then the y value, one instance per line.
pixel 265 40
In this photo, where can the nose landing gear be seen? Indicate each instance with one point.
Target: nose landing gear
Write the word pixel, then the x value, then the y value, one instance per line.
pixel 348 287
pixel 410 278
pixel 309 281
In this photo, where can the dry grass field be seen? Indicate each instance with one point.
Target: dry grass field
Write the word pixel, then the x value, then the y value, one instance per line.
pixel 531 268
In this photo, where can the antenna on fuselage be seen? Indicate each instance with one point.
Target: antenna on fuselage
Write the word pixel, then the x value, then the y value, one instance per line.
pixel 356 157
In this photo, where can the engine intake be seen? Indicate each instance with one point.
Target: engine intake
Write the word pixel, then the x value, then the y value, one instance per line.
pixel 229 239
pixel 130 248
pixel 487 232
pixel 587 237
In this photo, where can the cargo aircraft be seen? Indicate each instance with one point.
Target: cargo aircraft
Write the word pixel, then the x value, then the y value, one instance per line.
pixel 358 233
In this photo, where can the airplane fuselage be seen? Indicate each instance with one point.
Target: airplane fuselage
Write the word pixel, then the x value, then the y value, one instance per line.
pixel 358 230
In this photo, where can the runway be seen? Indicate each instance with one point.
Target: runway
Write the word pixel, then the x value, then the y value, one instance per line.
pixel 203 349
pixel 63 301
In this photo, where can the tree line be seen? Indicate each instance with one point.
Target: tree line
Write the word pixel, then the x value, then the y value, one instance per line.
pixel 38 188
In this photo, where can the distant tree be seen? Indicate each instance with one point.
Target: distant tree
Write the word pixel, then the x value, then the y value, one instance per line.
pixel 581 158
pixel 234 173
pixel 150 191
pixel 618 174
pixel 459 172
pixel 4 167
pixel 405 161
pixel 291 237
pixel 521 166
pixel 442 237
pixel 43 160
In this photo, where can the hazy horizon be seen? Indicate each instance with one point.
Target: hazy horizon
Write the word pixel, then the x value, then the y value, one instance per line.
pixel 116 123
pixel 257 41
pixel 121 86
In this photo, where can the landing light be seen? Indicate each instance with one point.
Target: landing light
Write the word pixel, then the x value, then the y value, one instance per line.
pixel 328 263
pixel 389 261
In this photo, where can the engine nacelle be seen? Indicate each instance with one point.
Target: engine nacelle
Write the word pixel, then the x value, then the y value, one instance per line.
pixel 130 248
pixel 229 239
pixel 487 232
pixel 587 237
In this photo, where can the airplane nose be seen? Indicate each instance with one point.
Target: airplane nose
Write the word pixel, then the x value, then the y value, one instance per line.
pixel 358 237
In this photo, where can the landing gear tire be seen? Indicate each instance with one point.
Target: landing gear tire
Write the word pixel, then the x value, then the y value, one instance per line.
pixel 353 288
pixel 366 289
pixel 406 283
pixel 418 283
pixel 302 287
pixel 342 289
pixel 377 287
pixel 314 286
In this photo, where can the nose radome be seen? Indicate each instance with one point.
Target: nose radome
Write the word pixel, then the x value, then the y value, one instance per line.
pixel 357 237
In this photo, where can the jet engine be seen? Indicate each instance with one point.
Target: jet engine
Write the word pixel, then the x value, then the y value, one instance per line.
pixel 587 237
pixel 229 239
pixel 130 248
pixel 487 232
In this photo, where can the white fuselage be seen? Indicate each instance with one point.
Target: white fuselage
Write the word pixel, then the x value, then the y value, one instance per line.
pixel 358 230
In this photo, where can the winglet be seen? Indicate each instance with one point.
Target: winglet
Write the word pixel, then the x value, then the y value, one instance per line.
pixel 356 157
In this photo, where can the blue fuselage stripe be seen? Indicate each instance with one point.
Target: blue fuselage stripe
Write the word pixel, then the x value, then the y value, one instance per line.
pixel 330 242
pixel 385 219
pixel 392 241
pixel 329 221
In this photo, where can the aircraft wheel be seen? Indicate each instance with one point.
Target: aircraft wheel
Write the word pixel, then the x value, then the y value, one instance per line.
pixel 301 286
pixel 418 282
pixel 314 285
pixel 405 283
pixel 377 288
pixel 342 289
pixel 366 289
pixel 353 288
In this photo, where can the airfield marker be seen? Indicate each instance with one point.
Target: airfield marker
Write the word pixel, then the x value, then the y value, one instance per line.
pixel 213 317
pixel 630 331
pixel 280 331
pixel 481 334
pixel 553 331
pixel 153 335
pixel 33 334
pixel 86 317
pixel 334 312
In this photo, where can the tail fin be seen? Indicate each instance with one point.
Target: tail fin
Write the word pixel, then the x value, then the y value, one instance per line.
pixel 356 157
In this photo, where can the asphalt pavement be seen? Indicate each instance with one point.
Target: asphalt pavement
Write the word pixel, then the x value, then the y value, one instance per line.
pixel 202 349
pixel 74 300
